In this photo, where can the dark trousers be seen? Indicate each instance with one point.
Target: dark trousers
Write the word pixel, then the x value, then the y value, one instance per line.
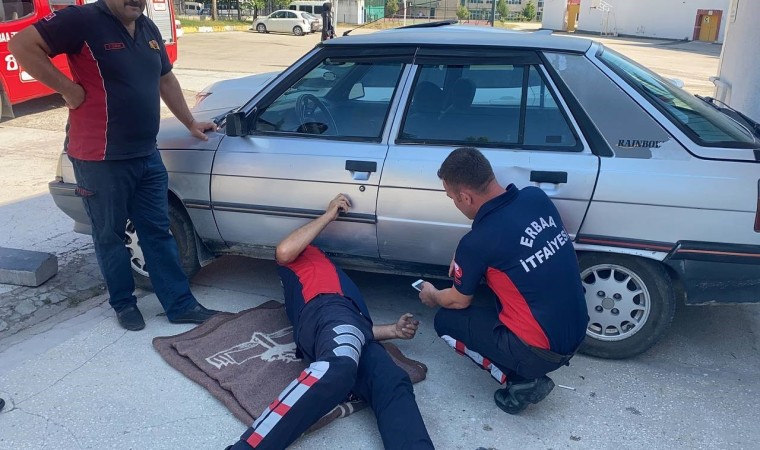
pixel 477 333
pixel 347 359
pixel 136 189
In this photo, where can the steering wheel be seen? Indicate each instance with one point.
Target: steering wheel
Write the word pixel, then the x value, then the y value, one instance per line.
pixel 306 107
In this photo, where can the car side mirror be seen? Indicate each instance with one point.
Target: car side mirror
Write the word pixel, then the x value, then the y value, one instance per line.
pixel 237 125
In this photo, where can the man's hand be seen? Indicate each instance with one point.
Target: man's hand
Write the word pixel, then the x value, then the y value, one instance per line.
pixel 198 129
pixel 74 96
pixel 406 327
pixel 337 205
pixel 427 295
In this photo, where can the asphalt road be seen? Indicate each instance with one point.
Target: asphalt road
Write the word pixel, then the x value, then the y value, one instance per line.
pixel 60 366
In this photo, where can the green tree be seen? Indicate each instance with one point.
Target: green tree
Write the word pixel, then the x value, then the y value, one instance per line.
pixel 502 9
pixel 529 11
pixel 463 13
pixel 391 8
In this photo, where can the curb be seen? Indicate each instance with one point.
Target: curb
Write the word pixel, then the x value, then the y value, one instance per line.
pixel 215 29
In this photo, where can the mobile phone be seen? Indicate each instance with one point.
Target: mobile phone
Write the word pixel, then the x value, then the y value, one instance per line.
pixel 418 284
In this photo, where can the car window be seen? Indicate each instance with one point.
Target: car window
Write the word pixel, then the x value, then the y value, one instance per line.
pixel 291 15
pixel 338 98
pixel 486 104
pixel 701 122
pixel 11 10
pixel 277 15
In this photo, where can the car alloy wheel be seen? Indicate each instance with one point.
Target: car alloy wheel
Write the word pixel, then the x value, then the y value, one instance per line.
pixel 181 228
pixel 298 31
pixel 261 28
pixel 630 302
pixel 136 257
pixel 618 302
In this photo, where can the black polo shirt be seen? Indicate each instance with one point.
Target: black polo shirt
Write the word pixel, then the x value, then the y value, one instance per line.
pixel 519 244
pixel 120 75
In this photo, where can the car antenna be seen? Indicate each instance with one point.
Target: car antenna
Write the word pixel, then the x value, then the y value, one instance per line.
pixel 438 23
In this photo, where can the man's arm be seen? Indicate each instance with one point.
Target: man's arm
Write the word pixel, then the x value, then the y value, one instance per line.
pixel 295 243
pixel 171 93
pixel 447 298
pixel 31 52
pixel 405 328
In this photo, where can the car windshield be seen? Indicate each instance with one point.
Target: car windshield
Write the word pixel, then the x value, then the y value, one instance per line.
pixel 701 122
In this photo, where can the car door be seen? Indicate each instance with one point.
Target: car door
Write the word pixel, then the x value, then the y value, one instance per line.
pixel 291 20
pixel 275 21
pixel 320 131
pixel 505 105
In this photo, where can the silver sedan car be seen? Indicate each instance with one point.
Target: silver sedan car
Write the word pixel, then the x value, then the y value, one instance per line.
pixel 659 189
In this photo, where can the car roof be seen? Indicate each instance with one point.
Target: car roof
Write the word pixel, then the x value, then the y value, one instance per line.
pixel 467 35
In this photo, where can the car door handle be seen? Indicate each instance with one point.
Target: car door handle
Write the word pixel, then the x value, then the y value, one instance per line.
pixel 361 166
pixel 543 176
pixel 360 170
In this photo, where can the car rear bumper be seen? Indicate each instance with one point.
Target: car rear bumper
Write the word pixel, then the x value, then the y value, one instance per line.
pixel 65 197
pixel 717 273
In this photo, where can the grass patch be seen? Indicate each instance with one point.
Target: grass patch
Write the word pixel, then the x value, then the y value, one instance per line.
pixel 213 23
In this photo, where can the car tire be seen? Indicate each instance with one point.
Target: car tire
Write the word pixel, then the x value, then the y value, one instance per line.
pixel 298 31
pixel 261 28
pixel 630 301
pixel 184 234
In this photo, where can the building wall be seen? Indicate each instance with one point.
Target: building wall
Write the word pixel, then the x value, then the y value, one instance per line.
pixel 739 71
pixel 554 15
pixel 665 19
pixel 651 18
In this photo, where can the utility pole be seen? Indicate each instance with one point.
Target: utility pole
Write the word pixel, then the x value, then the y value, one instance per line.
pixel 493 13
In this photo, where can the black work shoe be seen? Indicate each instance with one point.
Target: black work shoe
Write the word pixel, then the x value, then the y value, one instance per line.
pixel 130 318
pixel 2 404
pixel 516 396
pixel 196 314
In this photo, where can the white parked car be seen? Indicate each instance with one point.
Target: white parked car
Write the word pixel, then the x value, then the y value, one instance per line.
pixel 285 21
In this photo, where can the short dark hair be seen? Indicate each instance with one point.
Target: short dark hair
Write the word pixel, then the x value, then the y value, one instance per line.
pixel 467 167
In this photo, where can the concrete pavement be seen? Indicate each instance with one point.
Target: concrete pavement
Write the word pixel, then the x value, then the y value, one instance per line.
pixel 104 388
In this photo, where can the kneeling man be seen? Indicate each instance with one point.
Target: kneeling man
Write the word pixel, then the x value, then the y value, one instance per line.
pixel 519 245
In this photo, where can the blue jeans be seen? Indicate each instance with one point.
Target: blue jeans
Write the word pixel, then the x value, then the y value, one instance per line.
pixel 137 188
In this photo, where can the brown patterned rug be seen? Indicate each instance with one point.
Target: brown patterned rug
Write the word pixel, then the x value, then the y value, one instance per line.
pixel 246 359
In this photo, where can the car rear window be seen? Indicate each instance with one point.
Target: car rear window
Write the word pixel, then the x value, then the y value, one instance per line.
pixel 703 123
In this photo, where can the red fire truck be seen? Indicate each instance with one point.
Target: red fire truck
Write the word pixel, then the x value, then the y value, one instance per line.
pixel 16 85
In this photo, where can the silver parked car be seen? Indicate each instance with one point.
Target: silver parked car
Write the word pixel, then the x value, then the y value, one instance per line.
pixel 659 189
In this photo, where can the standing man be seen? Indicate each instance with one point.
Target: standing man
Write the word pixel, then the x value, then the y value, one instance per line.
pixel 120 69
pixel 519 245
pixel 333 330
pixel 328 31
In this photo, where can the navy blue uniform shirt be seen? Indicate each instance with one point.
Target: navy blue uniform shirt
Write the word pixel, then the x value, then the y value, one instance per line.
pixel 120 75
pixel 519 244
pixel 311 275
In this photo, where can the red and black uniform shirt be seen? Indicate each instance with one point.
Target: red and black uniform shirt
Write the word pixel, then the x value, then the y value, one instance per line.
pixel 120 75
pixel 519 244
pixel 313 274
